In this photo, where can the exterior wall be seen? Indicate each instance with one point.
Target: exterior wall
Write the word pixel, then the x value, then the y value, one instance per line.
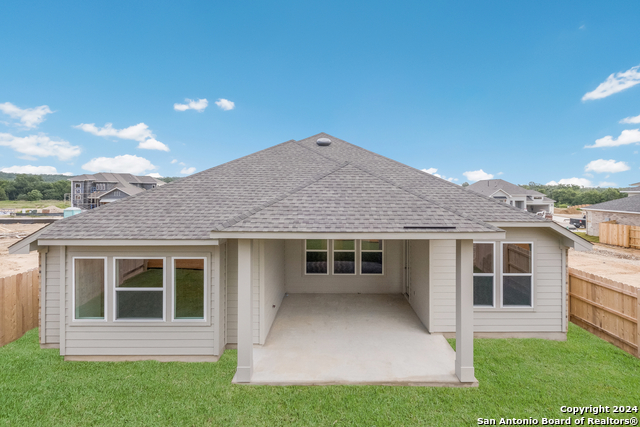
pixel 50 297
pixel 140 338
pixel 548 301
pixel 296 281
pixel 419 279
pixel 442 280
pixel 272 279
pixel 594 218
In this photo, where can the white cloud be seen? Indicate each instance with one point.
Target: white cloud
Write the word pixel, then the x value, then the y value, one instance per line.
pixel 478 175
pixel 225 104
pixel 182 164
pixel 40 145
pixel 119 164
pixel 153 144
pixel 615 83
pixel 34 170
pixel 628 136
pixel 582 182
pixel 188 171
pixel 29 117
pixel 155 175
pixel 198 105
pixel 632 120
pixel 582 27
pixel 432 171
pixel 608 166
pixel 174 161
pixel 607 184
pixel 139 132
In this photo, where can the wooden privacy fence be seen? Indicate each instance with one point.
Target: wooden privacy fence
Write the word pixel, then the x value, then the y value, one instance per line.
pixel 612 233
pixel 19 305
pixel 606 308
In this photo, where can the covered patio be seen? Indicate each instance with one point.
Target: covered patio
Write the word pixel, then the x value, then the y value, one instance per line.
pixel 320 339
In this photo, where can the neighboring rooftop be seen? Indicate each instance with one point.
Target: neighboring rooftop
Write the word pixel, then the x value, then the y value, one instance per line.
pixel 488 187
pixel 626 204
pixel 296 186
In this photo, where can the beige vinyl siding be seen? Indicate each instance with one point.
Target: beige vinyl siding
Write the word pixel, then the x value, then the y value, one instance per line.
pixel 442 281
pixel 419 278
pixel 232 290
pixel 140 338
pixel 296 281
pixel 272 277
pixel 546 314
pixel 51 292
pixel 223 293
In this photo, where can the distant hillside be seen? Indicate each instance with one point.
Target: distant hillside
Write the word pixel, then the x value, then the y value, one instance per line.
pixel 169 178
pixel 4 176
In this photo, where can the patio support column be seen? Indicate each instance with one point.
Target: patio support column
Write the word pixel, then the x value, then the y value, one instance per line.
pixel 464 311
pixel 245 313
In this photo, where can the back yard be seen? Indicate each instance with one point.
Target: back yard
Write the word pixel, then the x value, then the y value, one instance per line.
pixel 518 378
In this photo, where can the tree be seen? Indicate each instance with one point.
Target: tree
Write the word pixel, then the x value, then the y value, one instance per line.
pixel 34 196
pixel 465 184
pixel 3 194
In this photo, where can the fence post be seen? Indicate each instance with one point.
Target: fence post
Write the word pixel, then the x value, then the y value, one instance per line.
pixel 638 321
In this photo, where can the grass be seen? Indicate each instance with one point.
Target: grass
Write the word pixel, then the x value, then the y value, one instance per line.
pixel 592 239
pixel 20 204
pixel 518 378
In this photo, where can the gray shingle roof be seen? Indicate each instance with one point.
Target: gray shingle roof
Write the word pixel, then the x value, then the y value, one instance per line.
pixel 293 186
pixel 626 204
pixel 490 186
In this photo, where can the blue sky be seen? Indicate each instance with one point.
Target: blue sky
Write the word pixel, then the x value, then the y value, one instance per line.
pixel 516 90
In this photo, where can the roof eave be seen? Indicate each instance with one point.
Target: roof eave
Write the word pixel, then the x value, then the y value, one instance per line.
pixel 425 235
pixel 569 239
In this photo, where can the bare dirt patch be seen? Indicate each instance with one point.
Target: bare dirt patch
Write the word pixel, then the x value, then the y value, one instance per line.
pixel 619 264
pixel 13 264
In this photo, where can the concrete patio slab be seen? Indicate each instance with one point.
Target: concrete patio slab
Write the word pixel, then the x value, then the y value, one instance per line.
pixel 322 339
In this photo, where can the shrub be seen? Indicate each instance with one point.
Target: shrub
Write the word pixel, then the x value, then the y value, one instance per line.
pixel 34 196
pixel 21 197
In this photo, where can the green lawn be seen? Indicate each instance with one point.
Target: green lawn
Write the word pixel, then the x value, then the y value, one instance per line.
pixel 592 239
pixel 518 378
pixel 19 204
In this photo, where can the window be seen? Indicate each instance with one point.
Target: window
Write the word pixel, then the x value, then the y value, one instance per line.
pixel 189 280
pixel 483 275
pixel 517 280
pixel 344 257
pixel 88 288
pixel 371 257
pixel 139 290
pixel 316 256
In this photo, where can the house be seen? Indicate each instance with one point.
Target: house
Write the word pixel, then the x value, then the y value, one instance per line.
pixel 320 261
pixel 632 190
pixel 624 211
pixel 528 200
pixel 91 191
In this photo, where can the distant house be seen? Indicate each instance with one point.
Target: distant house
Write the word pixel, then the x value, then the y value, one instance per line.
pixel 624 211
pixel 632 190
pixel 514 195
pixel 91 191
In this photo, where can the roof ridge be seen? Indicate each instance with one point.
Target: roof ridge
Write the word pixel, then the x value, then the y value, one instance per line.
pixel 426 199
pixel 428 176
pixel 315 178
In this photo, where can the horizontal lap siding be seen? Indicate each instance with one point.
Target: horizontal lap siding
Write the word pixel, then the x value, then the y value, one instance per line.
pixel 442 265
pixel 255 291
pixel 546 316
pixel 51 319
pixel 131 339
pixel 419 279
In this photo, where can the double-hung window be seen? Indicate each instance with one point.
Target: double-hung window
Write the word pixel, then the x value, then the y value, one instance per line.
pixel 517 277
pixel 189 278
pixel 139 290
pixel 371 257
pixel 344 257
pixel 483 275
pixel 89 284
pixel 316 256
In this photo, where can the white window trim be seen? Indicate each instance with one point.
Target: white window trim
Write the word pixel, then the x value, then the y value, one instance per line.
pixel 495 265
pixel 355 257
pixel 329 263
pixel 116 289
pixel 205 318
pixel 502 274
pixel 73 289
pixel 370 250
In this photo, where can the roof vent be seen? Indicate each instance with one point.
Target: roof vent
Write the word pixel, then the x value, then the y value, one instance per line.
pixel 323 142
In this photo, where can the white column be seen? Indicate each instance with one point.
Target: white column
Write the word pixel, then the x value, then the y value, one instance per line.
pixel 464 311
pixel 245 310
